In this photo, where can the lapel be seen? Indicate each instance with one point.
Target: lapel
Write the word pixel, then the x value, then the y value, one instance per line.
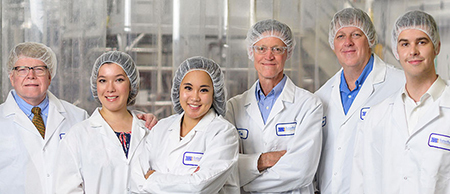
pixel 336 96
pixel 399 115
pixel 97 122
pixel 434 111
pixel 375 77
pixel 55 116
pixel 251 107
pixel 138 133
pixel 287 95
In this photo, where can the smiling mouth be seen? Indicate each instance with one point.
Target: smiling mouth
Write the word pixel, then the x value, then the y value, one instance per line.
pixel 194 106
pixel 111 97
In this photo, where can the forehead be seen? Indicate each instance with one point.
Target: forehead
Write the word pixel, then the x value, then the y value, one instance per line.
pixel 349 30
pixel 198 76
pixel 412 34
pixel 27 61
pixel 110 68
pixel 270 41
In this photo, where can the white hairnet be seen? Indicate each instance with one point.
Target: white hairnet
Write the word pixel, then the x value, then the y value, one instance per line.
pixel 217 77
pixel 352 17
pixel 33 50
pixel 418 20
pixel 270 28
pixel 129 67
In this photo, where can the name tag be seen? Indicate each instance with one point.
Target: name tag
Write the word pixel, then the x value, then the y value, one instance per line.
pixel 439 141
pixel 192 158
pixel 286 129
pixel 363 113
pixel 243 133
pixel 61 135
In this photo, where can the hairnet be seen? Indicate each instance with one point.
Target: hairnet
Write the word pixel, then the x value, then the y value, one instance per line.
pixel 33 50
pixel 352 17
pixel 269 28
pixel 129 67
pixel 418 20
pixel 214 71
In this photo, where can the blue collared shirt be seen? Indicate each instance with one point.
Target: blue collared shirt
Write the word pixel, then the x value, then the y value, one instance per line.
pixel 347 96
pixel 265 103
pixel 26 108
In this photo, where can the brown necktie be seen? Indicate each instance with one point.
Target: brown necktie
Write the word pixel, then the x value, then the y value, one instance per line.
pixel 37 120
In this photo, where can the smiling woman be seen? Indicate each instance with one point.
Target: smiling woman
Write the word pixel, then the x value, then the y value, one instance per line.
pixel 98 153
pixel 196 150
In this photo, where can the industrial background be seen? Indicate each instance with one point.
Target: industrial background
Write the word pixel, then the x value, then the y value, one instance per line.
pixel 160 34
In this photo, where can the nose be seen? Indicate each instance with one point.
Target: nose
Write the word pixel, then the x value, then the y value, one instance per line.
pixel 414 51
pixel 269 54
pixel 348 41
pixel 31 74
pixel 110 87
pixel 195 96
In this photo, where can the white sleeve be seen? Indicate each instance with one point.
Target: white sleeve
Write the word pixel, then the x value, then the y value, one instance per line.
pixel 67 176
pixel 215 168
pixel 296 169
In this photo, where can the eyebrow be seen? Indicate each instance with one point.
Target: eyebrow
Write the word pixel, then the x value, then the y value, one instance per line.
pixel 208 86
pixel 118 75
pixel 417 39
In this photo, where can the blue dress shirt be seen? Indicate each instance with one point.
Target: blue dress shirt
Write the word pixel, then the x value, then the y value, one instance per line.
pixel 347 96
pixel 265 103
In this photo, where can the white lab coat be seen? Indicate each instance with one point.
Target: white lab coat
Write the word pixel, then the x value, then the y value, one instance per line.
pixel 389 160
pixel 91 158
pixel 202 162
pixel 26 160
pixel 339 130
pixel 297 111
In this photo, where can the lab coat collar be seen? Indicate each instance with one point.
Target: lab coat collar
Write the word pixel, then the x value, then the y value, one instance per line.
pixel 377 76
pixel 287 95
pixel 201 126
pixel 251 105
pixel 55 115
pixel 434 110
pixel 138 132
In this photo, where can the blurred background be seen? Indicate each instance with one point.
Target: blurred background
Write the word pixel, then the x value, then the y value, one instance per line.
pixel 160 34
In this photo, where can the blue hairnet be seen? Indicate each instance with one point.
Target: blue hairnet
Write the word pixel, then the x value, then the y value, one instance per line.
pixel 352 17
pixel 33 50
pixel 270 28
pixel 418 20
pixel 213 70
pixel 129 67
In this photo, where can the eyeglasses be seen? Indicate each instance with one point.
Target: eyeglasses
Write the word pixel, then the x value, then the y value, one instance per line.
pixel 264 49
pixel 23 71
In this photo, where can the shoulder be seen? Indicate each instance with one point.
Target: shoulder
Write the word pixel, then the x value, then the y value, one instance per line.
pixel 325 89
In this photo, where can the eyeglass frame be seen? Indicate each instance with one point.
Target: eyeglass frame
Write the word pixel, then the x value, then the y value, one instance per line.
pixel 27 70
pixel 283 48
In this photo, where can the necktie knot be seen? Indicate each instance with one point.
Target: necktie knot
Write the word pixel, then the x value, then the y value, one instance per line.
pixel 36 110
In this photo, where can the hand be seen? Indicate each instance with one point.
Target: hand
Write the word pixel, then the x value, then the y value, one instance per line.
pixel 150 172
pixel 269 159
pixel 149 118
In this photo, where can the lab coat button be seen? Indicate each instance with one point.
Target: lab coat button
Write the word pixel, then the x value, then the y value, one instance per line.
pixel 339 148
pixel 335 173
pixel 406 178
pixel 48 175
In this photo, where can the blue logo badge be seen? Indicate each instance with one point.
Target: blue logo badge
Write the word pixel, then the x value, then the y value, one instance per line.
pixel 364 112
pixel 243 133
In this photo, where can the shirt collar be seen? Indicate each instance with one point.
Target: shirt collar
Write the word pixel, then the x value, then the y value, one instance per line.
pixel 276 91
pixel 26 108
pixel 362 78
pixel 435 91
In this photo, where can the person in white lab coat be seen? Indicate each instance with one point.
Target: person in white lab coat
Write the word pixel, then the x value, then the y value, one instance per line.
pixel 97 154
pixel 27 156
pixel 363 81
pixel 195 150
pixel 279 123
pixel 403 145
